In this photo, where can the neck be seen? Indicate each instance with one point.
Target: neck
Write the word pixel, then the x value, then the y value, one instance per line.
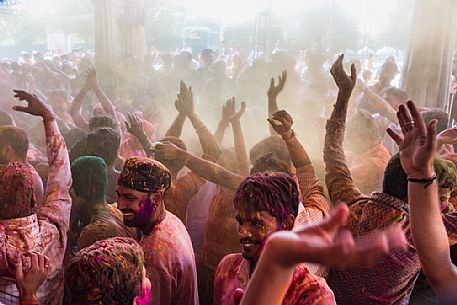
pixel 158 216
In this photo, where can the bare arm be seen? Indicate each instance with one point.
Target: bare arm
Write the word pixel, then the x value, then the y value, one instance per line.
pixel 205 169
pixel 238 139
pixel 313 244
pixel 380 104
pixel 185 104
pixel 222 126
pixel 273 93
pixel 75 110
pixel 136 128
pixel 337 176
pixel 417 150
pixel 312 196
pixel 107 105
pixel 175 129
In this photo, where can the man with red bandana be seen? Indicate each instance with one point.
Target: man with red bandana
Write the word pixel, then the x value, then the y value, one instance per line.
pixel 168 253
pixel 266 203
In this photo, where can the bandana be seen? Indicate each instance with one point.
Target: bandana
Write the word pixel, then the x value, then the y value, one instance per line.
pixel 144 175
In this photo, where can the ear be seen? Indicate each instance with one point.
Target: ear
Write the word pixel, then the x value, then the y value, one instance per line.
pixel 6 149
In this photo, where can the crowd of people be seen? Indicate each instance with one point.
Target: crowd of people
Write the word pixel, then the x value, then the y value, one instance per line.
pixel 124 188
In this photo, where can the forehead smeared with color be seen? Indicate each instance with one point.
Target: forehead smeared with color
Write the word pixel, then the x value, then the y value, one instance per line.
pixel 275 193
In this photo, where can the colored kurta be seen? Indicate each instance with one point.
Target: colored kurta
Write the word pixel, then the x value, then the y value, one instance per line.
pixel 170 263
pixel 106 222
pixel 44 232
pixel 391 280
pixel 306 289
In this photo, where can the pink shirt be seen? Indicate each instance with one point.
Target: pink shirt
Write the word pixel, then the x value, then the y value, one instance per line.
pixel 233 273
pixel 170 263
pixel 44 232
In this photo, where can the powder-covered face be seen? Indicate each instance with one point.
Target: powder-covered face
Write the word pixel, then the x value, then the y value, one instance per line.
pixel 253 228
pixel 444 194
pixel 137 207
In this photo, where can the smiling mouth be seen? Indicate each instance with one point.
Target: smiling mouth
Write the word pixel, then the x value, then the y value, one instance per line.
pixel 128 214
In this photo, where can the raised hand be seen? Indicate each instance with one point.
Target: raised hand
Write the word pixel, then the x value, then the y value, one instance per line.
pixel 91 79
pixel 135 126
pixel 28 281
pixel 35 105
pixel 318 243
pixel 185 100
pixel 418 144
pixel 167 151
pixel 344 82
pixel 274 90
pixel 282 122
pixel 229 113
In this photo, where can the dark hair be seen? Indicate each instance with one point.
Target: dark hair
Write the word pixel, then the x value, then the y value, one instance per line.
pixel 271 144
pixel 362 127
pixel 15 137
pixel 276 193
pixel 269 163
pixel 108 272
pixel 89 178
pixel 439 115
pixel 100 120
pixel 6 119
pixel 395 181
pixel 73 136
pixel 104 143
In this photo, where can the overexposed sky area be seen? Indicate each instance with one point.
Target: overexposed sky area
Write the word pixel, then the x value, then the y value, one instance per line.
pixel 371 14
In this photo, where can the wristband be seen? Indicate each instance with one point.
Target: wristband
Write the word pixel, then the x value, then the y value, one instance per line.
pixel 426 181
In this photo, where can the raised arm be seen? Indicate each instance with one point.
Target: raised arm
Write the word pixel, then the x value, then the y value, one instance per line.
pixel 205 169
pixel 312 197
pixel 380 104
pixel 57 201
pixel 101 96
pixel 175 129
pixel 337 174
pixel 135 127
pixel 209 144
pixel 417 149
pixel 238 138
pixel 75 108
pixel 273 93
pixel 223 125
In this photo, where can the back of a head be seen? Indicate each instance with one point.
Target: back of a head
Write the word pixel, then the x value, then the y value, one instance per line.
pixel 100 120
pixel 15 137
pixel 6 119
pixel 109 272
pixel 89 178
pixel 361 128
pixel 271 144
pixel 269 163
pixel 394 91
pixel 104 143
pixel 276 193
pixel 439 115
pixel 395 180
pixel 16 190
pixel 73 136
